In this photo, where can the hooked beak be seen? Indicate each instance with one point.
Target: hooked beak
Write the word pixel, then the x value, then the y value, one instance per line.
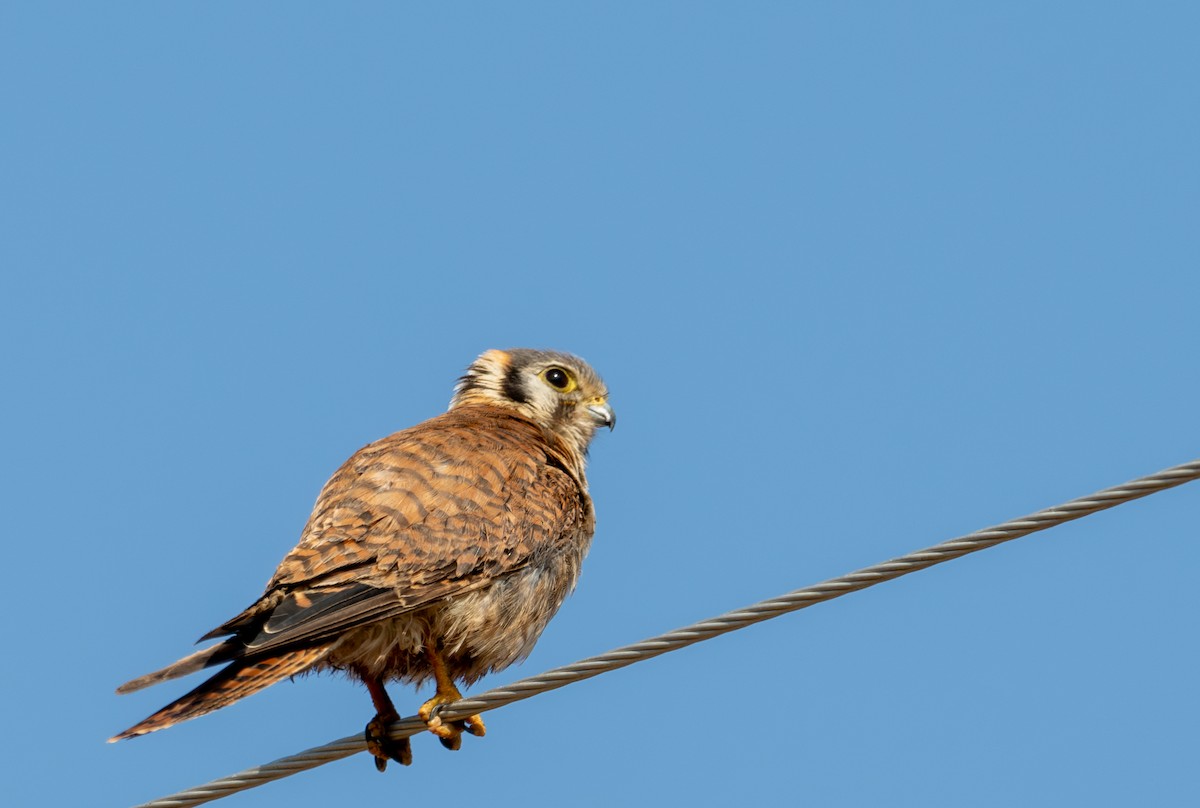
pixel 602 413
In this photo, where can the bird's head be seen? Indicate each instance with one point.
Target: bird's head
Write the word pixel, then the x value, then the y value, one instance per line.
pixel 557 391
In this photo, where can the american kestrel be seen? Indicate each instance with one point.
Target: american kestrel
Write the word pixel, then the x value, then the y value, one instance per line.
pixel 440 552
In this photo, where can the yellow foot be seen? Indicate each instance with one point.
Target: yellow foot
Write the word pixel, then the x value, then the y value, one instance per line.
pixel 383 747
pixel 449 732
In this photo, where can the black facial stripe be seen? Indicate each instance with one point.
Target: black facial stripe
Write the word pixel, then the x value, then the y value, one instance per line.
pixel 513 387
pixel 468 383
pixel 563 411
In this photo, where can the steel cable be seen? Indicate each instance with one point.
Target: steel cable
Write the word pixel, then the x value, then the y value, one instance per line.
pixel 697 632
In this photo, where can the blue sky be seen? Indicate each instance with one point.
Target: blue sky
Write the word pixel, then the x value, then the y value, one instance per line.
pixel 860 277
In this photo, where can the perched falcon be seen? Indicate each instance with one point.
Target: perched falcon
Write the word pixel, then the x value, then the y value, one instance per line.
pixel 440 552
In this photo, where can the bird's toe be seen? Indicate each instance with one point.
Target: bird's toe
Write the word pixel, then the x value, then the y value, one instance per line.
pixel 383 748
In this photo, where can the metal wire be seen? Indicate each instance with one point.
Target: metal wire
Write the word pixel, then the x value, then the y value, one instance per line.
pixel 704 630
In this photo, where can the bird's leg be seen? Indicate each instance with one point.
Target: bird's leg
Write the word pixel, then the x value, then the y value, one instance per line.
pixel 448 732
pixel 378 742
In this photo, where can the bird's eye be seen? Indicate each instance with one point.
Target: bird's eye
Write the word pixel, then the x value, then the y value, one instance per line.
pixel 559 379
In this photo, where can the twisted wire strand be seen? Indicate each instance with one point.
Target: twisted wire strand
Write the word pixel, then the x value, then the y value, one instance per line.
pixel 697 632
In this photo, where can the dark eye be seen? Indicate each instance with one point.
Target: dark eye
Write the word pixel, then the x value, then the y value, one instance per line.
pixel 557 377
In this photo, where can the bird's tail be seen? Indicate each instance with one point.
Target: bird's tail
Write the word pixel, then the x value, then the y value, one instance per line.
pixel 205 657
pixel 240 679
